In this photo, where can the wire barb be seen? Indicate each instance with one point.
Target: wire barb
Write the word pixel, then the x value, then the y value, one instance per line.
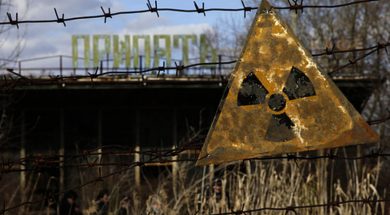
pixel 179 68
pixel 383 46
pixel 106 14
pixel 153 9
pixel 60 20
pixel 94 75
pixel 200 9
pixel 161 69
pixel 296 6
pixel 290 209
pixel 13 21
pixel 245 8
pixel 330 51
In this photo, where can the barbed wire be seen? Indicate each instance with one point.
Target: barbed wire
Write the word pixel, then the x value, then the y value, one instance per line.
pixel 370 201
pixel 105 14
pixel 37 163
pixel 327 51
pixel 158 158
pixel 333 50
pixel 365 55
pixel 153 159
pixel 181 67
pixel 166 156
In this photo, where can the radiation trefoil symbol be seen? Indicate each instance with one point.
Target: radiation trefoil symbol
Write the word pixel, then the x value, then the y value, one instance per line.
pixel 278 101
pixel 253 92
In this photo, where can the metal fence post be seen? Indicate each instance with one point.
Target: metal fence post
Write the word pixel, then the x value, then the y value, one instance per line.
pixel 101 67
pixel 140 63
pixel 107 61
pixel 61 66
pixel 20 67
pixel 220 64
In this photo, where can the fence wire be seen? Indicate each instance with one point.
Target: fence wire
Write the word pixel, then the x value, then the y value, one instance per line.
pixel 165 156
pixel 37 163
pixel 91 158
pixel 179 68
pixel 105 14
pixel 371 202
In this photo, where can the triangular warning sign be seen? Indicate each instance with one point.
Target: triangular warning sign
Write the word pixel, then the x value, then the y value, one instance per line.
pixel 278 101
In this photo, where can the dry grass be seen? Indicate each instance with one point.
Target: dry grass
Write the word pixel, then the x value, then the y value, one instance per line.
pixel 245 185
pixel 256 184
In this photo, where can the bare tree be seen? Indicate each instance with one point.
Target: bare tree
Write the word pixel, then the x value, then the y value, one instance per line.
pixel 5 34
pixel 7 60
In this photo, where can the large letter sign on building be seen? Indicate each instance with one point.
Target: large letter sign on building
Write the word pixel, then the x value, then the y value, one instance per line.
pixel 278 101
pixel 126 52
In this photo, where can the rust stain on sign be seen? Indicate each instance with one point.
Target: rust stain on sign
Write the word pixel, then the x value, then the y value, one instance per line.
pixel 278 101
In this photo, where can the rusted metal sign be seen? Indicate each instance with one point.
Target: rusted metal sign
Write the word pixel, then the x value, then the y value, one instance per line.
pixel 278 101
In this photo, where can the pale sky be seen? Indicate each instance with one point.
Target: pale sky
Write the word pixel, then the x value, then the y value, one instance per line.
pixel 53 38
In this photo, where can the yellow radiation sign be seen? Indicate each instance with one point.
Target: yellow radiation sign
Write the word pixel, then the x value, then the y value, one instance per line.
pixel 278 101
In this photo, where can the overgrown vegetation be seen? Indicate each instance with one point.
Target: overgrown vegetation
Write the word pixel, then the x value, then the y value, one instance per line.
pixel 242 186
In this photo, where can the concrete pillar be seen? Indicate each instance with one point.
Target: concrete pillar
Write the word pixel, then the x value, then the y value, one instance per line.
pixel 174 138
pixel 137 156
pixel 211 171
pixel 61 151
pixel 100 141
pixel 23 155
pixel 137 169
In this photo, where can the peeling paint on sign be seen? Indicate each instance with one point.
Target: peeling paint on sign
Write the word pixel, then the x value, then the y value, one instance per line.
pixel 278 101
